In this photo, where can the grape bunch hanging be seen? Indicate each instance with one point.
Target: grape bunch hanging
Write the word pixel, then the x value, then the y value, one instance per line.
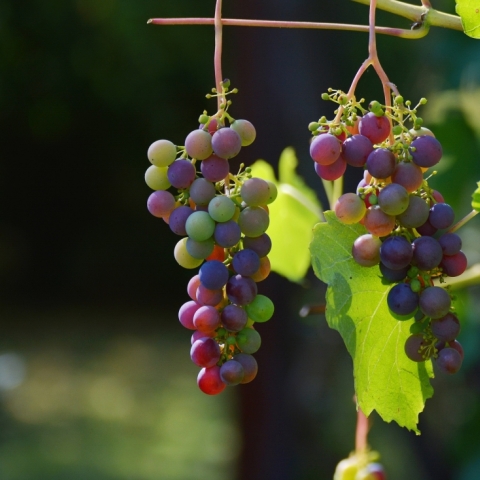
pixel 407 221
pixel 222 219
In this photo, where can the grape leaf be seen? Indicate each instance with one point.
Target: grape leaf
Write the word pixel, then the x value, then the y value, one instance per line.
pixel 385 379
pixel 476 198
pixel 292 217
pixel 469 11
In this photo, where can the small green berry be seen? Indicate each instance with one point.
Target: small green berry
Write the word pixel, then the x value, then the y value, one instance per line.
pixel 398 100
pixel 415 285
pixel 325 96
pixel 312 126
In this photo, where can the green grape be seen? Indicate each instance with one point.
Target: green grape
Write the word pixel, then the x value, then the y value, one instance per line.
pixel 183 258
pixel 200 226
pixel 221 208
pixel 248 340
pixel 162 153
pixel 273 192
pixel 260 309
pixel 156 178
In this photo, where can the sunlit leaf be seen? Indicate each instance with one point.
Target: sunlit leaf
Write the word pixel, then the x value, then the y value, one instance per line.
pixel 385 379
pixel 292 217
pixel 476 199
pixel 469 11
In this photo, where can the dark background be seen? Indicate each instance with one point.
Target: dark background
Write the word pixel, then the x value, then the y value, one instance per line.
pixel 95 376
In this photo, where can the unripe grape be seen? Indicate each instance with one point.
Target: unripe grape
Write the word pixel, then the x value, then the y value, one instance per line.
pixel 157 178
pixel 183 258
pixel 162 153
pixel 245 130
pixel 350 208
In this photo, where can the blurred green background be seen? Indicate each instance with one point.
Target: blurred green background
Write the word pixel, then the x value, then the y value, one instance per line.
pixel 95 377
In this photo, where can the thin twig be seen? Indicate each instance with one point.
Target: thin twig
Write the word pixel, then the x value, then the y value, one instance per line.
pixel 361 432
pixel 396 32
pixel 217 61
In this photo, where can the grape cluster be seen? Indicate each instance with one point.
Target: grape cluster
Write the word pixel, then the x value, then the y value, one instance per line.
pixel 407 221
pixel 222 219
pixel 360 466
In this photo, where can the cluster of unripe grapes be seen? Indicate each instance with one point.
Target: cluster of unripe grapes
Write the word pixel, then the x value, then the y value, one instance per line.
pixel 406 220
pixel 222 219
pixel 360 466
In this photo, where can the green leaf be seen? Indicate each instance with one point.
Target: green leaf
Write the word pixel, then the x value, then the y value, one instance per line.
pixel 469 11
pixel 292 217
pixel 385 379
pixel 476 198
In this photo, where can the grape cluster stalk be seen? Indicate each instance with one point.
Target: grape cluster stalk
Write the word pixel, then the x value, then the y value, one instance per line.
pixel 222 219
pixel 409 224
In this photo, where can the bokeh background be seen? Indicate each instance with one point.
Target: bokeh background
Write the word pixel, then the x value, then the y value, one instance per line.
pixel 95 377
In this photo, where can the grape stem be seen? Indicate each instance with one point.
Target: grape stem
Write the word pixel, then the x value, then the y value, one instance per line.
pixel 361 432
pixel 463 221
pixel 217 61
pixel 236 22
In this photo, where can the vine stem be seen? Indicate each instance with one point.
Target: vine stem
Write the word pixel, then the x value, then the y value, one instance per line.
pixel 217 61
pixel 236 22
pixel 463 221
pixel 361 432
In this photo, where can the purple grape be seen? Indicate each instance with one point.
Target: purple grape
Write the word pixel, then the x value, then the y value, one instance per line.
pixel 241 290
pixel 396 252
pixel 333 171
pixel 205 296
pixel 376 129
pixel 446 328
pixel 408 175
pixel 214 168
pixel 427 253
pixel 198 144
pixel 414 348
pixel 227 234
pixel 178 219
pixel 160 203
pixel 393 276
pixel 232 373
pixel 451 243
pixel 234 318
pixel 402 300
pixel 449 360
pixel 381 163
pixel 260 245
pixel 249 364
pixel 186 313
pixel 205 352
pixel 441 215
pixel 454 265
pixel 213 274
pixel 206 318
pixel 226 143
pixel 435 302
pixel 325 149
pixel 356 149
pixel 427 229
pixel 246 262
pixel 181 173
pixel 427 151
